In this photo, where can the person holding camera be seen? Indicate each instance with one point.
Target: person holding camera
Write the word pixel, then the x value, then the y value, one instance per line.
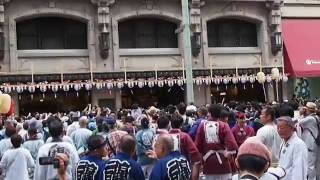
pixel 16 162
pixel 47 163
pixel 91 166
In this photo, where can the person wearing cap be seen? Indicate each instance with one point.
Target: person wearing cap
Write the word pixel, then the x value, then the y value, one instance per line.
pixel 81 135
pixel 253 160
pixel 114 136
pixel 170 164
pixel 293 156
pixel 122 166
pixel 187 121
pixel 241 131
pixel 216 143
pixel 91 165
pixel 309 127
pixel 268 133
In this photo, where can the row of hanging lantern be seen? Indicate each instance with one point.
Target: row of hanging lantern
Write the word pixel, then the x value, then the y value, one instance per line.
pixel 141 83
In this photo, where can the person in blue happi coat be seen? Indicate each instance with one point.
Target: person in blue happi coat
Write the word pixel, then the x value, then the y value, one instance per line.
pixel 91 165
pixel 171 164
pixel 122 166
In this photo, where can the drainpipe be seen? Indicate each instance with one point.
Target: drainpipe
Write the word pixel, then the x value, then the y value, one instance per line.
pixel 187 52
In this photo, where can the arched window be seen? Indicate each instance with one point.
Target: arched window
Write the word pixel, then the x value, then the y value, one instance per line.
pixel 51 33
pixel 147 33
pixel 231 33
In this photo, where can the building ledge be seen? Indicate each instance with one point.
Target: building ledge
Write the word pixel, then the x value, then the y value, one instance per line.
pixel 149 51
pixel 53 53
pixel 234 50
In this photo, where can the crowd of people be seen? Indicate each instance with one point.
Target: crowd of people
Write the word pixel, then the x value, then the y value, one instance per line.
pixel 231 141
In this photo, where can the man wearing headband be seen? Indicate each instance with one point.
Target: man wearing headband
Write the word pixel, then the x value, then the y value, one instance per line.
pixel 92 165
pixel 293 155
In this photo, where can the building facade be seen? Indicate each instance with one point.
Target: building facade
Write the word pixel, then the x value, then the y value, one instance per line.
pixel 117 52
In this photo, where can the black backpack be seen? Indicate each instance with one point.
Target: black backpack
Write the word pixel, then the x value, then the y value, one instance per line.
pixel 186 125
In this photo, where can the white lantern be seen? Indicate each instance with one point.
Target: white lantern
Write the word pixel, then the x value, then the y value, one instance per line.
pixel 141 83
pixel 19 89
pixel 7 89
pixel 130 84
pixel 31 89
pixel 269 78
pixel 243 79
pixel 225 80
pixel 235 80
pixel 275 74
pixel 88 86
pixel 110 85
pixel 99 86
pixel 77 88
pixel 160 83
pixel 217 80
pixel 150 83
pixel 252 79
pixel 55 89
pixel 285 78
pixel 66 87
pixel 43 89
pixel 180 82
pixel 119 85
pixel 207 81
pixel 198 81
pixel 170 83
pixel 261 77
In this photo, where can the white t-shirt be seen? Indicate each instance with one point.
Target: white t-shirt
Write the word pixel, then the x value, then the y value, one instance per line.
pixel 47 172
pixel 15 164
pixel 269 136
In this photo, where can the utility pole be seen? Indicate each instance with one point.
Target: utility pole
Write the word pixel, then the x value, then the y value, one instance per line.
pixel 187 49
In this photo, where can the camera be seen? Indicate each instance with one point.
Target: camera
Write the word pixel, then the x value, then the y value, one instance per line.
pixel 49 161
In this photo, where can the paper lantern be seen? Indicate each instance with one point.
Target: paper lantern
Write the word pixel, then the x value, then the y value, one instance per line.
pixel 207 81
pixel 275 74
pixel 235 80
pixel 130 84
pixel 120 85
pixel 43 89
pixel 55 89
pixel 170 83
pixel 99 85
pixel 198 81
pixel 6 105
pixel 180 82
pixel 141 83
pixel 160 83
pixel 110 85
pixel 88 86
pixel 261 77
pixel 217 80
pixel 7 89
pixel 285 78
pixel 66 87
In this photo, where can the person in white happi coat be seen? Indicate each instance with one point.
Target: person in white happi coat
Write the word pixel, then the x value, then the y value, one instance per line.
pixel 309 127
pixel 16 162
pixel 268 133
pixel 293 152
